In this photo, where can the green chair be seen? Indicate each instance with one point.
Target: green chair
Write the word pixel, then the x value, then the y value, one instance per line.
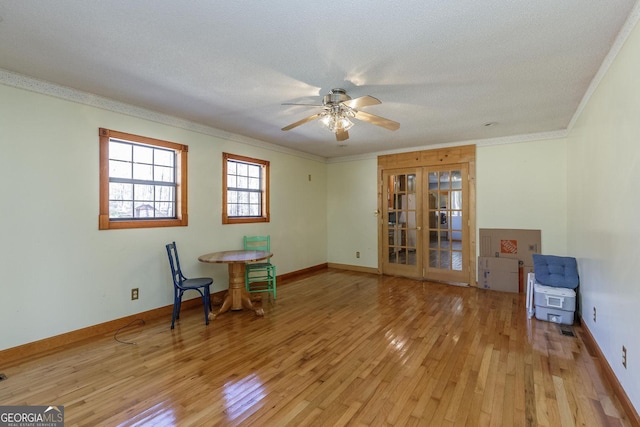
pixel 259 276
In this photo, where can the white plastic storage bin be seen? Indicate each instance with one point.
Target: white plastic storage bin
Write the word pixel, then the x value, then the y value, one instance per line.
pixel 555 315
pixel 555 298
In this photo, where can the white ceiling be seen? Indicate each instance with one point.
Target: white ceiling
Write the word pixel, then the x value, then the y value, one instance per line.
pixel 443 69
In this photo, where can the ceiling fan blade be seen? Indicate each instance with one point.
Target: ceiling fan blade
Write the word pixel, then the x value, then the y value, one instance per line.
pixel 301 122
pixel 363 101
pixel 377 120
pixel 342 135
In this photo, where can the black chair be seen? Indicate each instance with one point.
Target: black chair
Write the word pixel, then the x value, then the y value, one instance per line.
pixel 182 284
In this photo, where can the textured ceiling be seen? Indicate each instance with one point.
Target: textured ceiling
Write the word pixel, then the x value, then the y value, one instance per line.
pixel 443 69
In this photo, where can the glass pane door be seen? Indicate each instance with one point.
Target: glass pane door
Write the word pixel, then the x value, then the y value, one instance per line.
pixel 402 223
pixel 447 243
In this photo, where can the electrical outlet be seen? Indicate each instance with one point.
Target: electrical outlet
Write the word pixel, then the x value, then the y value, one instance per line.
pixel 134 293
pixel 357 254
pixel 624 357
pixel 594 314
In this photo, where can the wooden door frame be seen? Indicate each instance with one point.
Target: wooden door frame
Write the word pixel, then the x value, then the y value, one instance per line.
pixel 430 158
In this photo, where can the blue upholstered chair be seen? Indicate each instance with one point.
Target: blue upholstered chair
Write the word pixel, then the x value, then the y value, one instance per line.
pixel 181 284
pixel 259 276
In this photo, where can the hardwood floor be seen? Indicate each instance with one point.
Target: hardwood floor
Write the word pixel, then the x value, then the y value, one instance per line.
pixel 336 348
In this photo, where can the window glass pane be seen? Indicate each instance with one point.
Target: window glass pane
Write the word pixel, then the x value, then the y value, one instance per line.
pixel 397 201
pixel 242 169
pixel 118 169
pixel 242 182
pixel 142 171
pixel 254 198
pixel 163 174
pixel 411 183
pixel 254 171
pixel 254 210
pixel 143 210
pixel 232 197
pixel 165 193
pixel 120 209
pixel 411 243
pixel 444 181
pixel 457 261
pixel 243 197
pixel 433 258
pixel 411 219
pixel 254 184
pixel 143 192
pixel 164 158
pixel 433 181
pixel 231 181
pixel 456 220
pixel 456 180
pixel 119 151
pixel 444 260
pixel 164 210
pixel 456 200
pixel 232 209
pixel 232 168
pixel 142 154
pixel 120 191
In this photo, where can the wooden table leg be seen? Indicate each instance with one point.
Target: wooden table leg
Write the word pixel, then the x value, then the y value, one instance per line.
pixel 226 304
pixel 237 297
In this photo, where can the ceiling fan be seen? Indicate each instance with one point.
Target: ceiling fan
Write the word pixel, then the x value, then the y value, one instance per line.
pixel 339 109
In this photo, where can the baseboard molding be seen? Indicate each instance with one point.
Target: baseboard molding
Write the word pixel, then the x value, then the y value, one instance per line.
pixel 288 277
pixel 353 268
pixel 51 344
pixel 619 392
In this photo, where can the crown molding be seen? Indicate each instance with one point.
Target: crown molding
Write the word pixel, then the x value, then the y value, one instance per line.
pixel 43 87
pixel 622 37
pixel 512 139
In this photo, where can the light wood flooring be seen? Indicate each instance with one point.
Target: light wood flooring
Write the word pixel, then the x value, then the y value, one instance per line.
pixel 335 348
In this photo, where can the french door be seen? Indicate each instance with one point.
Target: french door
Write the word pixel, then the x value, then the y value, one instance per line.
pixel 425 227
pixel 447 255
pixel 402 223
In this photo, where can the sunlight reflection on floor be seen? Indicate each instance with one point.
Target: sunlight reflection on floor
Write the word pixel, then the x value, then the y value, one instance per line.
pixel 158 415
pixel 243 394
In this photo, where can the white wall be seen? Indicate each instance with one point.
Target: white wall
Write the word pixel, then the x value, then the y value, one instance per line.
pixel 352 201
pixel 60 273
pixel 523 185
pixel 603 178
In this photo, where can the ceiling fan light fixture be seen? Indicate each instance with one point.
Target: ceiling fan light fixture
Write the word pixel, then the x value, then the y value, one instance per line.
pixel 338 111
pixel 336 120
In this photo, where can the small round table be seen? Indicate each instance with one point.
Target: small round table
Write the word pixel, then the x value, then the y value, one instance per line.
pixel 237 297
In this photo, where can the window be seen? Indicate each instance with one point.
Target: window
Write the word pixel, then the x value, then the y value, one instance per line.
pixel 245 189
pixel 143 182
